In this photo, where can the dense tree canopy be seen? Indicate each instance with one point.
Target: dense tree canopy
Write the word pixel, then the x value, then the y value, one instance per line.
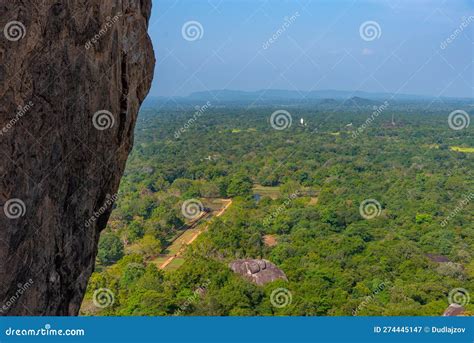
pixel 404 260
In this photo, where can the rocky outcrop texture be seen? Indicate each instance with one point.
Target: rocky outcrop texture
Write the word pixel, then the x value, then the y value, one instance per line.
pixel 72 77
pixel 259 272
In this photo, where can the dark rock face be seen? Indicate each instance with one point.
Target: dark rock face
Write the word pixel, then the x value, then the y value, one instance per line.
pixel 259 272
pixel 454 310
pixel 72 77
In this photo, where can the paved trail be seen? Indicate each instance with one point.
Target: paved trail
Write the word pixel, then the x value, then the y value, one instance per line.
pixel 220 213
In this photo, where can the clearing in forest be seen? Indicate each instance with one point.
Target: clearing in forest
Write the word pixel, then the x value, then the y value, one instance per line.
pixel 172 259
pixel 272 192
pixel 462 149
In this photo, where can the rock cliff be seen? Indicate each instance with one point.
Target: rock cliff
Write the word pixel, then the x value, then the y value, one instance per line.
pixel 72 77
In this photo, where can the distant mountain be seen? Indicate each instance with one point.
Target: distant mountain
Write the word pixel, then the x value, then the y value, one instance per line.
pixel 262 95
pixel 361 102
pixel 279 96
pixel 329 102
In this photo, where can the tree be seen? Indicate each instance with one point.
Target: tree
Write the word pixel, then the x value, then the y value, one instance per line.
pixel 149 246
pixel 240 185
pixel 136 230
pixel 132 273
pixel 110 249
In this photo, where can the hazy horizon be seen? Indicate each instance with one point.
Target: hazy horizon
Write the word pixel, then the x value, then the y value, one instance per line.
pixel 421 47
pixel 369 93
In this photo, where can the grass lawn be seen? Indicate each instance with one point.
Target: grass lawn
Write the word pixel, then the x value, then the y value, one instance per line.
pixel 175 264
pixel 180 241
pixel 272 192
pixel 462 149
pixel 159 260
pixel 214 204
pixel 176 246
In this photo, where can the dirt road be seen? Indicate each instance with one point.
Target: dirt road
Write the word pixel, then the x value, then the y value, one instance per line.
pixel 193 238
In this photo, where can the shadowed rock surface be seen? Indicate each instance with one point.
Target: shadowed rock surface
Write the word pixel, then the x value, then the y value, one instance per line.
pixel 454 310
pixel 437 258
pixel 259 272
pixel 60 63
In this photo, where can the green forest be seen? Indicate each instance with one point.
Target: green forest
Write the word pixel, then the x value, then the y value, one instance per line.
pixel 298 197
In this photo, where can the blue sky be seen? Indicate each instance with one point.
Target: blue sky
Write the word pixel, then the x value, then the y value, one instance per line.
pixel 320 46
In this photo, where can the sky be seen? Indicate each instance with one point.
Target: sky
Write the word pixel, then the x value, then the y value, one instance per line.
pixel 420 47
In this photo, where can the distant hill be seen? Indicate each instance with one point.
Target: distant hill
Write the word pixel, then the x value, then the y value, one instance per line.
pixel 329 102
pixel 361 102
pixel 280 96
